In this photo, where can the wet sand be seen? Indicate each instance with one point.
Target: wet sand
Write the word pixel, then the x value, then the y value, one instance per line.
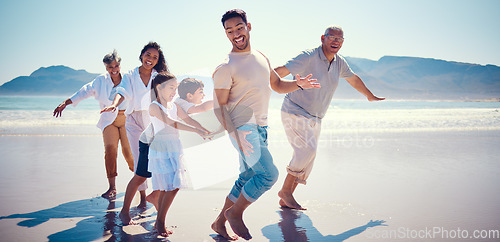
pixel 413 181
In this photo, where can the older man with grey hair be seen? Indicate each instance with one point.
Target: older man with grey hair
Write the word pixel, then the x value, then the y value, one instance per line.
pixel 303 109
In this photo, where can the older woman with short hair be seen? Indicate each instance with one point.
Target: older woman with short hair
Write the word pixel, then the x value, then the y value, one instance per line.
pixel 103 89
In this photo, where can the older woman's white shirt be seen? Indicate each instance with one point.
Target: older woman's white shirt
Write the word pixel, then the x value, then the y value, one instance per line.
pixel 101 89
pixel 133 89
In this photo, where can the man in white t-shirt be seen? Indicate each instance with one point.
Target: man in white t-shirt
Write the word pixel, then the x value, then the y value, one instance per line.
pixel 242 86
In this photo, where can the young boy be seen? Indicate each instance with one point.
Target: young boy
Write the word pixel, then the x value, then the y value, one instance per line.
pixel 191 95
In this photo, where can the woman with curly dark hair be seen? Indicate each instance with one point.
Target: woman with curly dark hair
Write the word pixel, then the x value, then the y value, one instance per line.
pixel 135 88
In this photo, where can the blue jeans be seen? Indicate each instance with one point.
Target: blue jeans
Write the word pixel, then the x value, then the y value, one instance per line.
pixel 258 172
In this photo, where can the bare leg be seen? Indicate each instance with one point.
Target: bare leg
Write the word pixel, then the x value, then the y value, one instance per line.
pixel 153 198
pixel 110 136
pixel 234 216
pixel 143 204
pixel 219 225
pixel 132 186
pixel 126 151
pixel 111 192
pixel 281 202
pixel 164 201
pixel 286 193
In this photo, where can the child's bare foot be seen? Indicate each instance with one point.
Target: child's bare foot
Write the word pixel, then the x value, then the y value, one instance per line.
pixel 220 228
pixel 162 230
pixel 237 224
pixel 142 205
pixel 153 199
pixel 125 218
pixel 110 193
pixel 165 233
pixel 288 200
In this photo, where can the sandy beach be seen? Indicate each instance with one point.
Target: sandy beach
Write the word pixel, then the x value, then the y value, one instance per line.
pixel 417 182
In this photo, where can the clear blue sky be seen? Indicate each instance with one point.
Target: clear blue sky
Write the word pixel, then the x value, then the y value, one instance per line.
pixel 78 34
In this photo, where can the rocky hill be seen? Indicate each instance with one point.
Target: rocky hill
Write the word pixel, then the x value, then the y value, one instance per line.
pixel 424 78
pixel 391 76
pixel 53 80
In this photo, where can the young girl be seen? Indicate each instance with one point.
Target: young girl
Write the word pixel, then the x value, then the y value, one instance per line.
pixel 165 152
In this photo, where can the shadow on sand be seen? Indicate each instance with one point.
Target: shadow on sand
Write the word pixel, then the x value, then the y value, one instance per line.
pixel 297 226
pixel 101 221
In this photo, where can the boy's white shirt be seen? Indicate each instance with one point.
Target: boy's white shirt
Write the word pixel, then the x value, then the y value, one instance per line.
pixel 185 105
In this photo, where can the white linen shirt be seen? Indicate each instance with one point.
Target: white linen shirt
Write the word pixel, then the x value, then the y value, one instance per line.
pixel 100 88
pixel 133 89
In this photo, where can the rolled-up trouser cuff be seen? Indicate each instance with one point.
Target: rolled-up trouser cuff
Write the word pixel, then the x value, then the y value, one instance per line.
pixel 247 196
pixel 297 176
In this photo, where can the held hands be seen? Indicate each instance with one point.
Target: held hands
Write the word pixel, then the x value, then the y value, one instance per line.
pixel 205 134
pixel 306 82
pixel 243 144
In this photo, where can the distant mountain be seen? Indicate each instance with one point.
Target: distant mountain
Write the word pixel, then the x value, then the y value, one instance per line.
pixel 53 80
pixel 390 76
pixel 423 78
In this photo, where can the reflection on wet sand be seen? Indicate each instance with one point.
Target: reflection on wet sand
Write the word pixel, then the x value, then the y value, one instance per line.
pixel 295 225
pixel 101 221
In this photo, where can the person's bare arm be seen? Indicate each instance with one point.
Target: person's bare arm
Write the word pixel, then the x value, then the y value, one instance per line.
pixel 155 111
pixel 356 82
pixel 282 71
pixel 280 85
pixel 116 102
pixel 205 106
pixel 222 98
pixel 186 118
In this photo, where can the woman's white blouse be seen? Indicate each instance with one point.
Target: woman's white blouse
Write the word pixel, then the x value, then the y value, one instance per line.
pixel 101 89
pixel 133 89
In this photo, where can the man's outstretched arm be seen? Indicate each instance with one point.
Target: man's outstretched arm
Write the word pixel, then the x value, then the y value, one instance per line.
pixel 360 86
pixel 284 86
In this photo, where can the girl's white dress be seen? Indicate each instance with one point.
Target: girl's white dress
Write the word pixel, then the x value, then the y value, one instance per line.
pixel 165 153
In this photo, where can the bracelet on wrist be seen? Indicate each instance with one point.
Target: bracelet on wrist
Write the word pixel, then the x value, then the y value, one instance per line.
pixel 300 87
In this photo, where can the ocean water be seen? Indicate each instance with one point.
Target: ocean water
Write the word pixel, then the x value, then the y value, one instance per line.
pixel 453 169
pixel 32 115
